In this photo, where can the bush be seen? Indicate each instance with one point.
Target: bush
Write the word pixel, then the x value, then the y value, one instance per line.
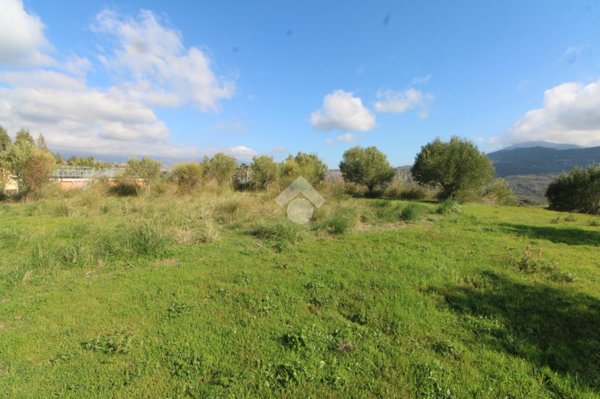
pixel 413 213
pixel 124 188
pixel 576 191
pixel 448 207
pixel 187 176
pixel 341 221
pixel 501 193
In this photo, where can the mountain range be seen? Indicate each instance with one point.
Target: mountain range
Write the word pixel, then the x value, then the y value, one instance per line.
pixel 541 158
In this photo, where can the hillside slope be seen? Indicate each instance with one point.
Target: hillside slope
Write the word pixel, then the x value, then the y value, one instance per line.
pixel 541 160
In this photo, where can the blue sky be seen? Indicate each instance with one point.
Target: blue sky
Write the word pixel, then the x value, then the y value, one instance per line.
pixel 178 80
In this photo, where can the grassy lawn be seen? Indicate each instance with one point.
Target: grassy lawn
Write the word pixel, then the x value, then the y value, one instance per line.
pixel 220 296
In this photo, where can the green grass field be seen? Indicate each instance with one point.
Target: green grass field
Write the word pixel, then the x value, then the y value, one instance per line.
pixel 220 296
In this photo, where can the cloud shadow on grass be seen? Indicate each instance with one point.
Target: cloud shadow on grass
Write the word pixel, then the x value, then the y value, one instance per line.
pixel 565 235
pixel 547 326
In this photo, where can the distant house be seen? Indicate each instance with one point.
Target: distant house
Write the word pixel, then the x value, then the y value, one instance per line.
pixel 70 177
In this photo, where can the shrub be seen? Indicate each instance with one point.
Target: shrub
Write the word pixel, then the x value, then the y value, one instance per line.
pixel 448 207
pixel 146 239
pixel 576 191
pixel 124 188
pixel 413 213
pixel 501 193
pixel 277 231
pixel 187 176
pixel 340 221
pixel 264 171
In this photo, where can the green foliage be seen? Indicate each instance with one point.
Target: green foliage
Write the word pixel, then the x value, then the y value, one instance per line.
pixel 37 171
pixel 32 164
pixel 241 178
pixel 413 213
pixel 146 169
pixel 89 162
pixel 187 176
pixel 440 306
pixel 306 165
pixel 577 191
pixel 341 221
pixel 219 168
pixel 455 166
pixel 367 166
pixel 449 207
pixel 264 171
pixel 5 140
pixel 501 192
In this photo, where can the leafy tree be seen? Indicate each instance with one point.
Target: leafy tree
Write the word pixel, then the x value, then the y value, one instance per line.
pixel 457 166
pixel 24 138
pixel 578 190
pixel 220 168
pixel 306 165
pixel 37 171
pixel 5 141
pixel 187 176
pixel 367 166
pixel 41 143
pixel 264 171
pixel 241 178
pixel 32 165
pixel 145 168
pixel 89 162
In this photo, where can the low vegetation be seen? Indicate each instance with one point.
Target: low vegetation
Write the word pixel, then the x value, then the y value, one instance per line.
pixel 217 294
pixel 578 191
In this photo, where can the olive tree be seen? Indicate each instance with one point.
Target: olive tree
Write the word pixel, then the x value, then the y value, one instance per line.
pixel 368 167
pixel 578 190
pixel 187 176
pixel 306 165
pixel 263 171
pixel 456 166
pixel 220 168
pixel 146 168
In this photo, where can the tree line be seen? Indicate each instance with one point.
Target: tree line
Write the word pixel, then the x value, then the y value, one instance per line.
pixel 455 169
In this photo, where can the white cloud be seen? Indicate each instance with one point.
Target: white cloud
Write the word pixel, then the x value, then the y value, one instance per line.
pixel 241 152
pixel 154 67
pixel 343 111
pixel 570 114
pixel 402 101
pixel 420 80
pixel 229 127
pixel 22 40
pixel 343 138
pixel 158 69
pixel 572 53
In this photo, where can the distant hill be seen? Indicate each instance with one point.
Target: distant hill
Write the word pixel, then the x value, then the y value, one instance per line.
pixel 544 144
pixel 541 160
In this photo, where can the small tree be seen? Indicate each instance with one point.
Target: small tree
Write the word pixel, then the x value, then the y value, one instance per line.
pixel 263 171
pixel 145 168
pixel 37 171
pixel 457 166
pixel 187 176
pixel 5 141
pixel 306 165
pixel 578 190
pixel 367 166
pixel 220 168
pixel 501 192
